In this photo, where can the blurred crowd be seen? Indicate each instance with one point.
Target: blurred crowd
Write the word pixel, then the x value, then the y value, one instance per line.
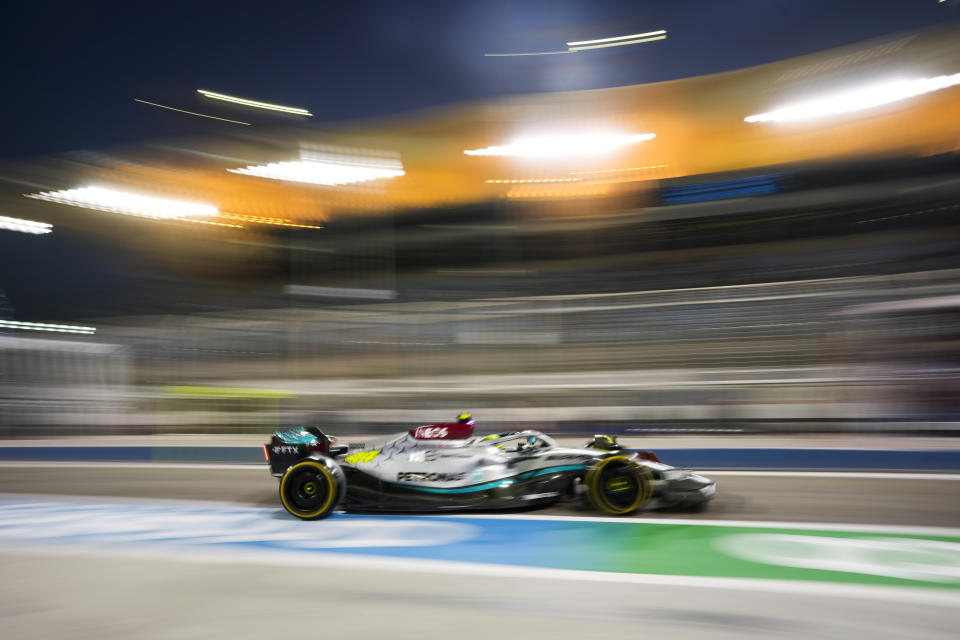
pixel 729 272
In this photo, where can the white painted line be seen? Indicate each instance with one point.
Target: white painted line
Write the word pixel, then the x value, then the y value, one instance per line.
pixel 870 475
pixel 704 522
pixel 750 524
pixel 352 562
pixel 264 528
pixel 42 499
pixel 95 445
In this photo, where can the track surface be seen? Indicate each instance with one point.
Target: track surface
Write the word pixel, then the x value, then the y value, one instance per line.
pixel 106 598
pixel 890 499
pixel 48 592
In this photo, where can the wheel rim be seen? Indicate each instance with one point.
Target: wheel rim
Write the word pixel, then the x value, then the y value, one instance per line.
pixel 307 490
pixel 620 485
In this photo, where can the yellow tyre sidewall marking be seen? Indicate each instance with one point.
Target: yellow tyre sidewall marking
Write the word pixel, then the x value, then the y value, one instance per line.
pixel 330 494
pixel 643 489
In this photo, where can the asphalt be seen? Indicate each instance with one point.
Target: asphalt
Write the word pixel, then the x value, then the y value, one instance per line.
pixel 107 597
pixel 50 592
pixel 898 499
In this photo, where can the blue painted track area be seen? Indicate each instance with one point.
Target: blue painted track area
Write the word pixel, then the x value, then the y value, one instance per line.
pixel 861 554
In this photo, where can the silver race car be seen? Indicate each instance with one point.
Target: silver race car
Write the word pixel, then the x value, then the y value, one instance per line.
pixel 445 467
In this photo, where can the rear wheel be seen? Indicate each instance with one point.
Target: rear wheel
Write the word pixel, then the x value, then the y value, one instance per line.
pixel 617 485
pixel 310 490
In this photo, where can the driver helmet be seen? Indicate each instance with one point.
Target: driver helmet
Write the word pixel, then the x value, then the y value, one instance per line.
pixel 465 418
pixel 492 436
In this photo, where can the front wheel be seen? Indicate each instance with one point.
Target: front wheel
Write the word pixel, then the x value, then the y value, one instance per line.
pixel 617 485
pixel 312 489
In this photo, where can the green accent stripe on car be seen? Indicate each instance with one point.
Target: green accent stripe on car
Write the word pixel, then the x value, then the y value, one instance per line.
pixel 542 472
pixel 503 482
pixel 476 487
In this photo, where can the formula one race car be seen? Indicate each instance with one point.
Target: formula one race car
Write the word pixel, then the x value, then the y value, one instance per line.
pixel 444 467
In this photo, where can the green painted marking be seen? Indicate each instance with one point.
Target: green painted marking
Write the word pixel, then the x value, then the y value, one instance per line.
pixel 863 557
pixel 227 392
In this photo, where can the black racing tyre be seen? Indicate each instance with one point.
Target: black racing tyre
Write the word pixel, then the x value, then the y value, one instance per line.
pixel 617 485
pixel 312 489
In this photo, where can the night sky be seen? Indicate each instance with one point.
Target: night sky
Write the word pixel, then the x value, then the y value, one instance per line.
pixel 74 68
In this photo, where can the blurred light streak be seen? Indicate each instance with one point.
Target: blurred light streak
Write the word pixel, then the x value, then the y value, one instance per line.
pixel 583 45
pixel 280 222
pixel 331 166
pixel 618 38
pixel 910 214
pixel 125 203
pixel 317 172
pixel 192 113
pixel 254 103
pixel 652 166
pixel 532 53
pixel 558 191
pixel 857 100
pixel 616 44
pixel 24 226
pixel 351 156
pixel 216 224
pixel 339 292
pixel 40 326
pixel 532 180
pixel 562 145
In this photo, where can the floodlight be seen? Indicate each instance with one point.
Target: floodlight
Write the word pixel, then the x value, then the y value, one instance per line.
pixel 857 99
pixel 122 202
pixel 562 145
pixel 24 226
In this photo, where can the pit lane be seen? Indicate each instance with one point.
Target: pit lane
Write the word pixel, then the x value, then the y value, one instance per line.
pixel 49 591
pixel 109 597
pixel 890 499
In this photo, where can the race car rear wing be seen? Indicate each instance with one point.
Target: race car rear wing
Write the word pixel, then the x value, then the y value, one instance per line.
pixel 292 445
